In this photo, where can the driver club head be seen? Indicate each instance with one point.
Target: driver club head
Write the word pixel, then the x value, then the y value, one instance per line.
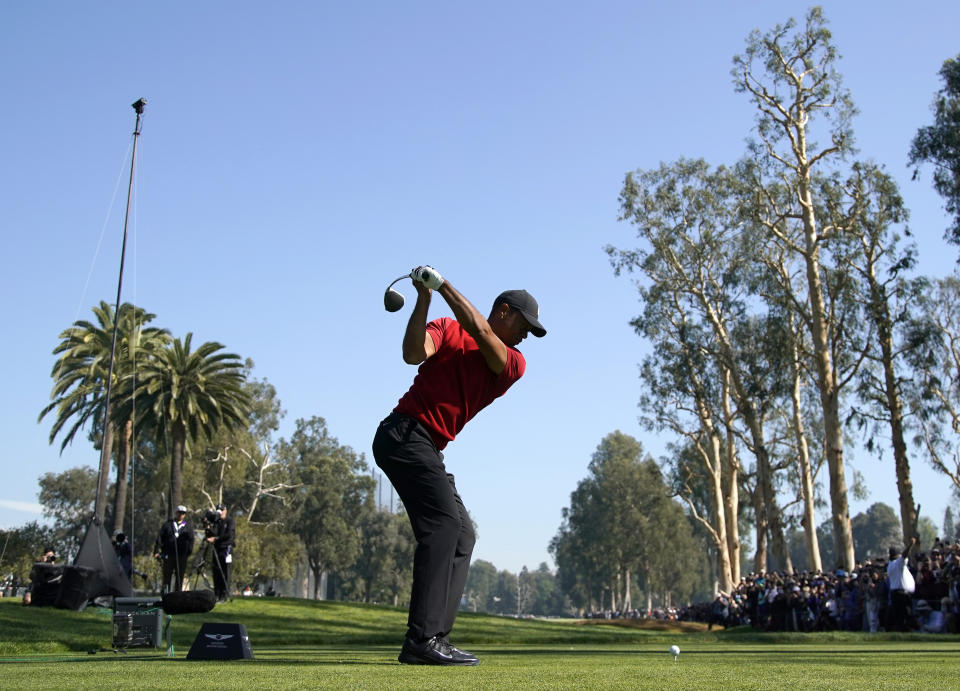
pixel 392 300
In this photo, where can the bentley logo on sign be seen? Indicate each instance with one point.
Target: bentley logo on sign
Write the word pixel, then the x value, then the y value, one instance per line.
pixel 218 636
pixel 221 642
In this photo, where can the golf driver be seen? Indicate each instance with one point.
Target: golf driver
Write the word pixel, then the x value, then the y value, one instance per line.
pixel 393 300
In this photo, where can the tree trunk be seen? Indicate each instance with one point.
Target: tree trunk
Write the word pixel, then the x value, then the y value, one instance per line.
pixel 719 511
pixel 106 451
pixel 123 475
pixel 760 557
pixel 773 514
pixel 826 379
pixel 179 436
pixel 752 418
pixel 649 595
pixel 713 462
pixel 627 598
pixel 731 487
pixel 840 510
pixel 908 511
pixel 809 520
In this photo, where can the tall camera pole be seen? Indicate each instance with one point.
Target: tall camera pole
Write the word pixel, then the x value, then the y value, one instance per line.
pixel 107 438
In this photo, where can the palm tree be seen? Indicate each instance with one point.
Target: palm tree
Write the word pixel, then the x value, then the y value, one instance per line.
pixel 79 380
pixel 189 396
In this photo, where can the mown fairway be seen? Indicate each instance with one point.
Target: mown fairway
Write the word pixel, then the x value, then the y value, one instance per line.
pixel 300 644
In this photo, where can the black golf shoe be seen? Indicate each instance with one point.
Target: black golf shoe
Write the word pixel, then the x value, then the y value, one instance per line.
pixel 463 654
pixel 434 651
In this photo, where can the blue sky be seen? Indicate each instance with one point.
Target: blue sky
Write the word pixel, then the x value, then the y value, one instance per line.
pixel 298 156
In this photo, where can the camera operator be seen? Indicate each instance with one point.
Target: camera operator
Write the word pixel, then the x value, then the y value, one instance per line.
pixel 221 533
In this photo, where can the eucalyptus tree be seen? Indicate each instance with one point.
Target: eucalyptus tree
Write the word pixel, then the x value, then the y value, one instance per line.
pixel 680 394
pixel 80 377
pixel 888 300
pixel 936 366
pixel 789 75
pixel 776 286
pixel 699 262
pixel 762 358
pixel 939 144
pixel 186 396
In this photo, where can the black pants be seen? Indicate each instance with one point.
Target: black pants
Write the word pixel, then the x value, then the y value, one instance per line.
pixel 221 575
pixel 174 568
pixel 899 612
pixel 441 525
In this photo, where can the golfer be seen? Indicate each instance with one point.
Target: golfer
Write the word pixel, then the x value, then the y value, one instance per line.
pixel 466 364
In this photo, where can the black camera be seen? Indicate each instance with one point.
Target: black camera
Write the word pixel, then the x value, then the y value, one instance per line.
pixel 211 516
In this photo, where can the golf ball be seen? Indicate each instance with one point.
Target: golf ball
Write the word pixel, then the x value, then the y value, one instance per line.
pixel 674 650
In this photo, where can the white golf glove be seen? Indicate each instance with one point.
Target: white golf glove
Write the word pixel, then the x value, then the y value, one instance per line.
pixel 428 276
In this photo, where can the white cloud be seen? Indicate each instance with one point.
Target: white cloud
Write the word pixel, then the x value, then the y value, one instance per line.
pixel 25 506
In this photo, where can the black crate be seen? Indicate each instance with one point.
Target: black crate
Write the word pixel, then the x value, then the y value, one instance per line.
pixel 137 622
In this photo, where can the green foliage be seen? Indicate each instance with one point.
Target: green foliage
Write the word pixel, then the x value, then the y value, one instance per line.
pixel 330 498
pixel 939 144
pixel 383 569
pixel 927 532
pixel 263 553
pixel 622 525
pixel 190 395
pixel 934 364
pixel 68 499
pixel 790 75
pixel 949 531
pixel 22 547
pixel 480 588
pixel 875 531
pixel 80 372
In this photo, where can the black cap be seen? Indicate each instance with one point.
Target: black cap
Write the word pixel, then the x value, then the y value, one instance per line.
pixel 524 302
pixel 220 507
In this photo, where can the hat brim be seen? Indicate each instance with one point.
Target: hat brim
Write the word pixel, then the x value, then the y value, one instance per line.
pixel 536 328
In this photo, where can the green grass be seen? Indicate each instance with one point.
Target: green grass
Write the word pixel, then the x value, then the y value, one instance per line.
pixel 304 644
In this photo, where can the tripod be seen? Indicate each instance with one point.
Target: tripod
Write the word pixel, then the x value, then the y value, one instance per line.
pixel 209 554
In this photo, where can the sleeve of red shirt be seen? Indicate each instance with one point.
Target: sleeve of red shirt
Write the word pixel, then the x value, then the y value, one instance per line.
pixel 435 329
pixel 515 367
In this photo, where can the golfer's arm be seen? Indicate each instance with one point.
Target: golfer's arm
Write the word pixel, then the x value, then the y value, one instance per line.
pixel 493 349
pixel 417 344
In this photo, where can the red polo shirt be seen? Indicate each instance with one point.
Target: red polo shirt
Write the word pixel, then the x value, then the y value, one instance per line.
pixel 455 383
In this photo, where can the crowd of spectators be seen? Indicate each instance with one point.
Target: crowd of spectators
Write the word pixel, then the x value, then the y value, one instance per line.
pixel 876 596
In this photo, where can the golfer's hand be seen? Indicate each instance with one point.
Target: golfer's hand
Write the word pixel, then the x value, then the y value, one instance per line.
pixel 428 276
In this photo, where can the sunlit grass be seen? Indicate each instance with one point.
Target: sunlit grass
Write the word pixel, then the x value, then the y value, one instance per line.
pixel 304 644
